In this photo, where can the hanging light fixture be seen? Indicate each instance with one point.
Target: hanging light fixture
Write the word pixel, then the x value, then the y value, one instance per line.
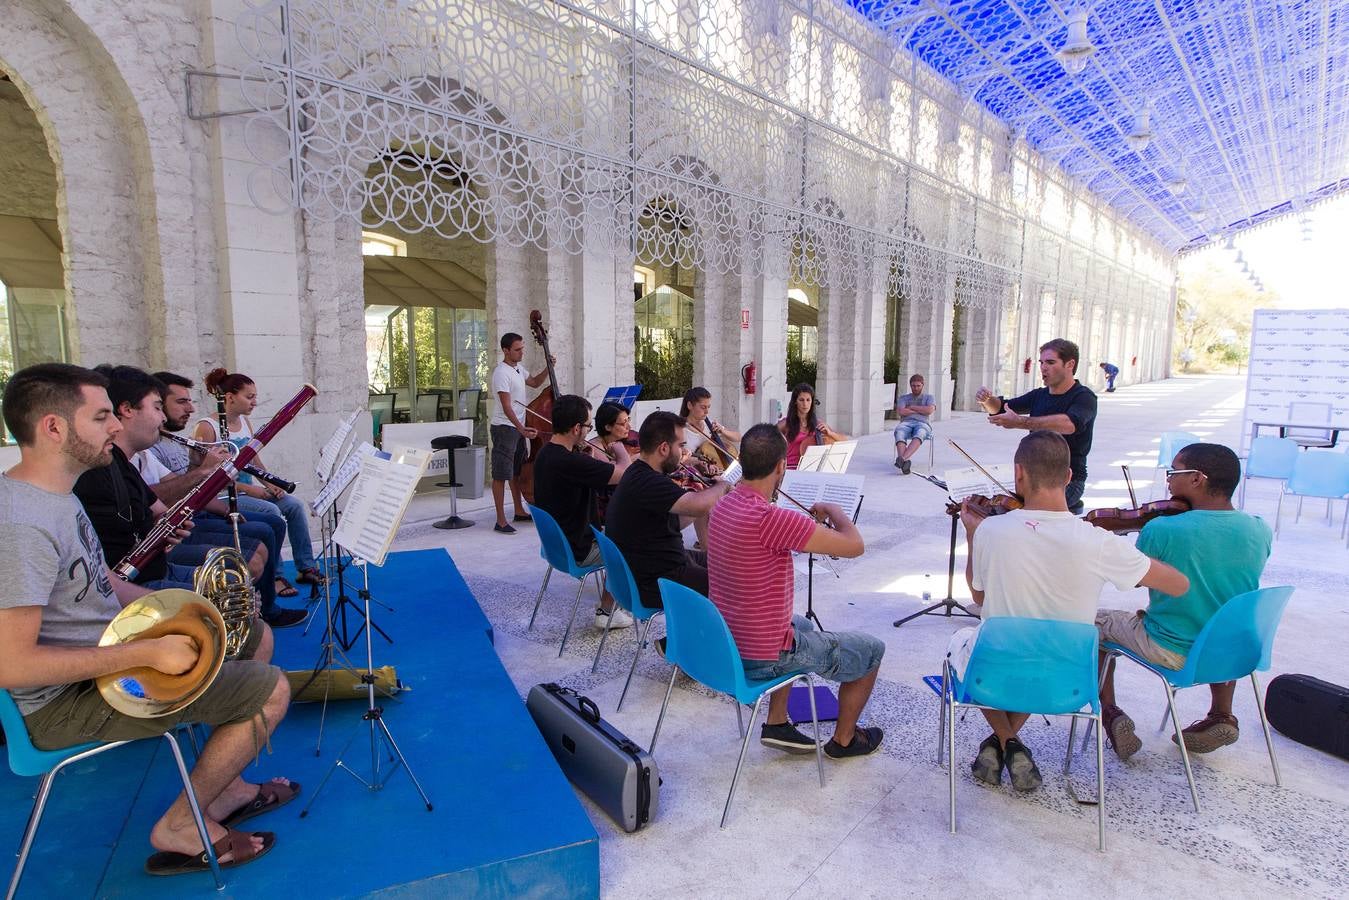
pixel 1140 132
pixel 1077 48
pixel 1177 184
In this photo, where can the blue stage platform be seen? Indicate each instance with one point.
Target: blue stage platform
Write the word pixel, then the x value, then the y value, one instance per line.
pixel 505 824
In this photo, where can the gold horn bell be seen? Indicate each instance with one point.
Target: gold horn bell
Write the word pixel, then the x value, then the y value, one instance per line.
pixel 146 693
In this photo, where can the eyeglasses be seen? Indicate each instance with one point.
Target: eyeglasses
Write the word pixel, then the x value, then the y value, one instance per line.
pixel 1170 472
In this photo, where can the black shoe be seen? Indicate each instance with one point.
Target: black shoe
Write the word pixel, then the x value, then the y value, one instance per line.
pixel 281 617
pixel 864 741
pixel 1021 768
pixel 906 467
pixel 987 766
pixel 659 644
pixel 503 529
pixel 786 737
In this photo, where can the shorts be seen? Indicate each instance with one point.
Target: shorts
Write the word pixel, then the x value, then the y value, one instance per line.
pixel 509 449
pixel 911 430
pixel 79 714
pixel 840 656
pixel 1125 627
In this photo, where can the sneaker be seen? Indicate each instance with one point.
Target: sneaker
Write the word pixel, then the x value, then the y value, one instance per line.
pixel 1119 729
pixel 864 741
pixel 620 617
pixel 503 529
pixel 283 617
pixel 786 737
pixel 1209 733
pixel 1021 768
pixel 987 766
pixel 899 463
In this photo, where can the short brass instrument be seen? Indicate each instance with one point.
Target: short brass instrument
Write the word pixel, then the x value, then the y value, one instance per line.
pixel 224 580
pixel 147 693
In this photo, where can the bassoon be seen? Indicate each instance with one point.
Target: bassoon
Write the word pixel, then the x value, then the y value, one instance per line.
pixel 178 515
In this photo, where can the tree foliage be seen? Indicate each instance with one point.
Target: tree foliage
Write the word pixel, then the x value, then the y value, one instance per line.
pixel 1214 308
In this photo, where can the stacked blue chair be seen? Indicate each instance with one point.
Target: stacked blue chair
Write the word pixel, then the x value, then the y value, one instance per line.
pixel 556 551
pixel 1269 457
pixel 1168 446
pixel 699 642
pixel 1234 644
pixel 26 761
pixel 623 588
pixel 1039 666
pixel 1316 473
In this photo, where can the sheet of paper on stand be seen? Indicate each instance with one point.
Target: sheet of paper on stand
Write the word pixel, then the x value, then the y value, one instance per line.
pixel 733 473
pixel 340 480
pixel 827 457
pixel 331 451
pixel 962 483
pixel 383 490
pixel 809 488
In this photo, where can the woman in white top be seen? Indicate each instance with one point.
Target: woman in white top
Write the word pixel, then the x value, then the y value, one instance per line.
pixel 708 460
pixel 241 397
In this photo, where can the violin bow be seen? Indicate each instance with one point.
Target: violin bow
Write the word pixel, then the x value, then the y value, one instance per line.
pixel 805 509
pixel 531 412
pixel 1129 482
pixel 1002 487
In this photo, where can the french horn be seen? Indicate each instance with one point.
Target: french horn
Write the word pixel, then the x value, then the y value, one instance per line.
pixel 146 693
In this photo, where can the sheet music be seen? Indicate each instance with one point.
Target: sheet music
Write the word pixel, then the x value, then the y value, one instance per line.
pixel 383 490
pixel 341 479
pixel 733 473
pixel 827 457
pixel 328 455
pixel 827 487
pixel 961 483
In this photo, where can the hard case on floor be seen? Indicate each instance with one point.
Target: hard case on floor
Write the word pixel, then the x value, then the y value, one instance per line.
pixel 1310 711
pixel 601 761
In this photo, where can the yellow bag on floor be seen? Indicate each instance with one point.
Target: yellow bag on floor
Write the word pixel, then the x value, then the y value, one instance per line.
pixel 340 684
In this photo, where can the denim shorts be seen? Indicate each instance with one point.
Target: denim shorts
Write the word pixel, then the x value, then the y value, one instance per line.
pixel 840 656
pixel 908 431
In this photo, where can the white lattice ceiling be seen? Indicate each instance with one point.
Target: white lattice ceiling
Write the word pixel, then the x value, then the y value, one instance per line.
pixel 1248 98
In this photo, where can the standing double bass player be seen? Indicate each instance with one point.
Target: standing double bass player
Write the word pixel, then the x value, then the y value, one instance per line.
pixel 510 432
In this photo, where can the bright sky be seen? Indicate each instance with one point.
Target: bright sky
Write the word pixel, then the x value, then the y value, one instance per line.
pixel 1305 274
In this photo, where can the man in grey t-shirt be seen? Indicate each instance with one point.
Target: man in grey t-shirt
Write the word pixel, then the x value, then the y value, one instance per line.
pixel 58 598
pixel 914 408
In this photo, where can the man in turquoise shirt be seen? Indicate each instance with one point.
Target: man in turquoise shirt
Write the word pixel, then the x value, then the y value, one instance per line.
pixel 1222 550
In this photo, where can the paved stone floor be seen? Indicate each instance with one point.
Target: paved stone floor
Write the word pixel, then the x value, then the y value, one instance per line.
pixel 879 826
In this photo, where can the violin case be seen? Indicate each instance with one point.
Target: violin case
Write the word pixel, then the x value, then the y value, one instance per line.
pixel 1310 711
pixel 616 773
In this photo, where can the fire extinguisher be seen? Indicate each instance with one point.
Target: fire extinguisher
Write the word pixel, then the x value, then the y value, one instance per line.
pixel 1134 361
pixel 749 378
pixel 1025 366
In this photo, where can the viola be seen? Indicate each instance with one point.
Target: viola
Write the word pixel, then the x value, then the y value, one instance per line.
pixel 539 411
pixel 1124 520
pixel 986 506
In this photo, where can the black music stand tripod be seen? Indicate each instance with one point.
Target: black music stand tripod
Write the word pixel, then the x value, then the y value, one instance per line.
pixel 949 606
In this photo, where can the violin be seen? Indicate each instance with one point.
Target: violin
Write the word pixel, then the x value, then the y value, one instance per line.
pixel 986 506
pixel 1128 520
pixel 541 408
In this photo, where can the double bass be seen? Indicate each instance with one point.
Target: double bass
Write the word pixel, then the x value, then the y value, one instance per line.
pixel 539 411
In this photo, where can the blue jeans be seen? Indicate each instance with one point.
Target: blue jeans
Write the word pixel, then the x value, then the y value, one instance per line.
pixel 840 656
pixel 907 431
pixel 296 516
pixel 213 530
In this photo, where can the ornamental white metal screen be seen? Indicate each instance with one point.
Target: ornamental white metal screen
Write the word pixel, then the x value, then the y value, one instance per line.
pixel 786 134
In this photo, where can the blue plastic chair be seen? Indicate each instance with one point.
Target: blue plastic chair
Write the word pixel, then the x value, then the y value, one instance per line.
pixel 623 588
pixel 1039 666
pixel 1316 473
pixel 26 760
pixel 556 551
pixel 698 641
pixel 1269 457
pixel 1235 643
pixel 1168 446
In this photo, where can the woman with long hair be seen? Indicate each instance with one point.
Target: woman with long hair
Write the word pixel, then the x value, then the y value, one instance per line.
pixel 611 429
pixel 802 427
pixel 241 398
pixel 696 409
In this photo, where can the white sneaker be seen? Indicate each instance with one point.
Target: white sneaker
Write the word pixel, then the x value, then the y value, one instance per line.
pixel 621 618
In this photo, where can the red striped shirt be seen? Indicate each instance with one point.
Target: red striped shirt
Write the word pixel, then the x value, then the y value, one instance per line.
pixel 749 569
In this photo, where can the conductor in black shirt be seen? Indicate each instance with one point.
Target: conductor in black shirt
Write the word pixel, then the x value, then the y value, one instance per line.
pixel 1064 405
pixel 648 512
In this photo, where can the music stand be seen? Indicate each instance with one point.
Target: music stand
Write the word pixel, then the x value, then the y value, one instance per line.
pixel 808 488
pixel 827 457
pixel 623 394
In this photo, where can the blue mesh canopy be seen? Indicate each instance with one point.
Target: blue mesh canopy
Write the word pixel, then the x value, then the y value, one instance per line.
pixel 1246 99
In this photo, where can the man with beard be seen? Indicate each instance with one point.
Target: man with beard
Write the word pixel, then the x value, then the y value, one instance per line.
pixel 59 597
pixel 648 512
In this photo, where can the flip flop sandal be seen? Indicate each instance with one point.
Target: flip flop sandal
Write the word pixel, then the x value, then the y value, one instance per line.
pixel 270 796
pixel 310 576
pixel 285 589
pixel 238 844
pixel 523 518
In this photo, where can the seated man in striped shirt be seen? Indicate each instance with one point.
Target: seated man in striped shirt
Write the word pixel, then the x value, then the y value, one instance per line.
pixel 749 567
